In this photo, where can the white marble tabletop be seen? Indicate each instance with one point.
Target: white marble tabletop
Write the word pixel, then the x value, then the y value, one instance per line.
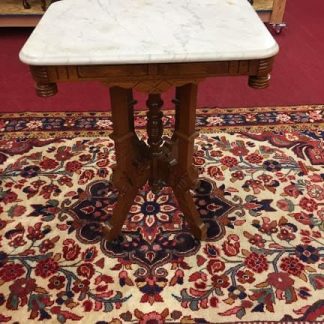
pixel 75 32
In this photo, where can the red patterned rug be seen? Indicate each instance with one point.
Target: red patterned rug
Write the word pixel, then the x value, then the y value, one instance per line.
pixel 260 192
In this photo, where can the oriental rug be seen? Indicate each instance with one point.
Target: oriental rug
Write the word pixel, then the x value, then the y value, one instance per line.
pixel 260 193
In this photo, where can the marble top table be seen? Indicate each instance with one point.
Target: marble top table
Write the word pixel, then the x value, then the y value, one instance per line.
pixel 147 31
pixel 150 46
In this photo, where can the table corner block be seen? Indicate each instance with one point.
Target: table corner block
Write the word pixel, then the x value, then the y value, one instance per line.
pixel 44 86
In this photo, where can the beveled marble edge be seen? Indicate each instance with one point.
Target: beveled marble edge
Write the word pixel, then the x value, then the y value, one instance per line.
pixel 149 60
pixel 258 46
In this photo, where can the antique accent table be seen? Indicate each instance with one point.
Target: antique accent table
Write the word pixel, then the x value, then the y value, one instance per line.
pixel 150 46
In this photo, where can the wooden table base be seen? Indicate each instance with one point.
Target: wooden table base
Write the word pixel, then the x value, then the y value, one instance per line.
pixel 160 162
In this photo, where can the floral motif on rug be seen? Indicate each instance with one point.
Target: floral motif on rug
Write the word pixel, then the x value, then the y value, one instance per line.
pixel 260 194
pixel 73 124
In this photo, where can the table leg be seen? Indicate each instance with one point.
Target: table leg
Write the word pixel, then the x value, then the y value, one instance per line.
pixel 123 205
pixel 132 169
pixel 183 175
pixel 161 164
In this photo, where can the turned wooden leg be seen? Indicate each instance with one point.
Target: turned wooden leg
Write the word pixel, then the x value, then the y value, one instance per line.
pixel 184 175
pixel 155 132
pixel 131 170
